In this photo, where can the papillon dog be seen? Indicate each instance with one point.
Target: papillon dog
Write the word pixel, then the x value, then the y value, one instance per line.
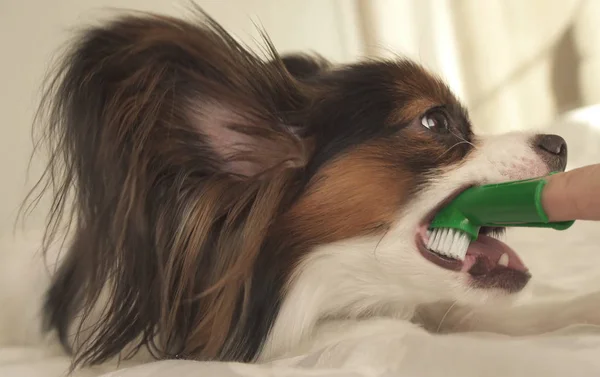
pixel 228 205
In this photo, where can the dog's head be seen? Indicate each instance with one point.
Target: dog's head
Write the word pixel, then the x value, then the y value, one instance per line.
pixel 219 197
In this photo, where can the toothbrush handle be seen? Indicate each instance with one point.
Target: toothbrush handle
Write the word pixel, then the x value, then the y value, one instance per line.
pixel 574 195
pixel 508 204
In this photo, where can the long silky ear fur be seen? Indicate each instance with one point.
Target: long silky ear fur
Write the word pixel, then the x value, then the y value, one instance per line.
pixel 162 220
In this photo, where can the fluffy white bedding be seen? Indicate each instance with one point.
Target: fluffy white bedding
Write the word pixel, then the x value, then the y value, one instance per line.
pixel 564 265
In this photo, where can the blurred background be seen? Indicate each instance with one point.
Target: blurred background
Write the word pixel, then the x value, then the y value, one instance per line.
pixel 517 64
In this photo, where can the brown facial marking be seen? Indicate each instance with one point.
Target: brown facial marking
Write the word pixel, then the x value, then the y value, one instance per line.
pixel 417 91
pixel 356 194
pixel 413 109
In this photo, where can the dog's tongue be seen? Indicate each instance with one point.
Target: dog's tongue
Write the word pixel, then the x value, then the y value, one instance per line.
pixel 484 254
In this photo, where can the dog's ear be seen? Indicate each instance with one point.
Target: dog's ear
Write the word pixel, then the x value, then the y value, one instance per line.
pixel 174 143
pixel 247 142
pixel 154 84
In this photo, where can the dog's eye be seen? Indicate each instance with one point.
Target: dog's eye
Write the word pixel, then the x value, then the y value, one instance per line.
pixel 436 121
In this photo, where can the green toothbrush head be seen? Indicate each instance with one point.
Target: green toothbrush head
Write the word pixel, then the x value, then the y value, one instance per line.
pixel 452 216
pixel 508 204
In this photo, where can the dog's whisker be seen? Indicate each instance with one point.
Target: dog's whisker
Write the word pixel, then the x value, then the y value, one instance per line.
pixel 460 137
pixel 444 316
pixel 379 242
pixel 452 147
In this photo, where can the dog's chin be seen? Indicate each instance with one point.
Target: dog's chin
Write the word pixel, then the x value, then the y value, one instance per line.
pixel 490 264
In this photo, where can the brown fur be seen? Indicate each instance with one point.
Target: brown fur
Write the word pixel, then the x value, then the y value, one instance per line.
pixel 347 197
pixel 121 150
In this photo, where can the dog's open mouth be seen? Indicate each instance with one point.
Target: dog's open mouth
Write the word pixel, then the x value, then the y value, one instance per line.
pixel 490 262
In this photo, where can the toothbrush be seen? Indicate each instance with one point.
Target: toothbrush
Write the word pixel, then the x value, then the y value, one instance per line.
pixel 508 204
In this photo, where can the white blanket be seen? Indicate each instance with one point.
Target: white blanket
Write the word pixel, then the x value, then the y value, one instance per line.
pixel 564 265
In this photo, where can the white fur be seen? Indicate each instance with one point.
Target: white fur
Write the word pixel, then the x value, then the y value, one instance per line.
pixel 387 276
pixel 352 302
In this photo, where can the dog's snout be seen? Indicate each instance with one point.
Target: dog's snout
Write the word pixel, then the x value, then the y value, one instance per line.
pixel 553 150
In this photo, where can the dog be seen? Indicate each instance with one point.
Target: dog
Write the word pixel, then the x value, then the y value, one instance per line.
pixel 225 205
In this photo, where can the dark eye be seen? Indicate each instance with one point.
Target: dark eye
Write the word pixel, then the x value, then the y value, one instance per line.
pixel 435 120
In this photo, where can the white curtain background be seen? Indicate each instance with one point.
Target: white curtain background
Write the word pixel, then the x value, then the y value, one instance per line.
pixel 517 64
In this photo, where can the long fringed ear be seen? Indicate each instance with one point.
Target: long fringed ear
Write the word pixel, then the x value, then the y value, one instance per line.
pixel 248 112
pixel 176 145
pixel 245 146
pixel 233 125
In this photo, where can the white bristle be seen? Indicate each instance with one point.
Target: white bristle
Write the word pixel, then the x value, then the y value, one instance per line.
pixel 437 237
pixel 443 239
pixel 449 242
pixel 433 235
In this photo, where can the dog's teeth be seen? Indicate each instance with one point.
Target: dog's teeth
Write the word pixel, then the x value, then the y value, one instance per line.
pixel 503 261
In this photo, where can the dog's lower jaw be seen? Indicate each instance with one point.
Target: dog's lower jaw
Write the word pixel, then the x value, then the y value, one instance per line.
pixel 342 281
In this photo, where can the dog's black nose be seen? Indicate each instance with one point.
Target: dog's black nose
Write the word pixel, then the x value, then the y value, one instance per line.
pixel 553 144
pixel 553 150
